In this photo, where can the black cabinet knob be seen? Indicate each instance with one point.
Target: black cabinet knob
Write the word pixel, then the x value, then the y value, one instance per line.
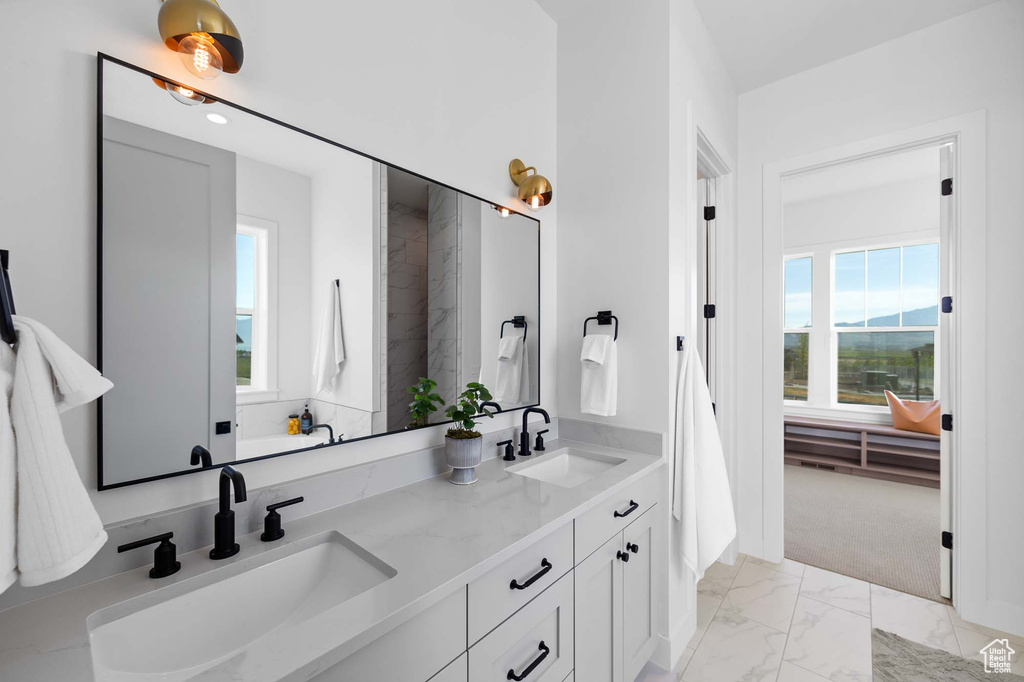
pixel 633 547
pixel 622 556
pixel 272 522
pixel 165 560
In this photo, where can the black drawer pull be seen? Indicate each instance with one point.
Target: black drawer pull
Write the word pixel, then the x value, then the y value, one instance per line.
pixel 544 651
pixel 545 566
pixel 633 506
pixel 633 547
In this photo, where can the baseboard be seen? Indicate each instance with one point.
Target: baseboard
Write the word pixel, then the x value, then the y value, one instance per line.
pixel 672 646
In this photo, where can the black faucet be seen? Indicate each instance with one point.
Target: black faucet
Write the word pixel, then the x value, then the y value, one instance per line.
pixel 524 435
pixel 224 544
pixel 490 403
pixel 201 454
pixel 330 431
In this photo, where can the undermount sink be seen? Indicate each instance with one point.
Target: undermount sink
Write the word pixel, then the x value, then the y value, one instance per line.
pixel 179 631
pixel 566 467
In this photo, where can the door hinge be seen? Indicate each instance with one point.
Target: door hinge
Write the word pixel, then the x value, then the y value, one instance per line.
pixel 947 422
pixel 709 311
pixel 947 187
pixel 947 304
pixel 947 539
pixel 709 213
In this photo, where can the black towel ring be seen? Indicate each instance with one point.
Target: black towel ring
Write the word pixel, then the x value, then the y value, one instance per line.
pixel 7 312
pixel 517 322
pixel 603 317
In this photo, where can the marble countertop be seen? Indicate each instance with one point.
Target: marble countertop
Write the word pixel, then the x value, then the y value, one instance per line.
pixel 438 537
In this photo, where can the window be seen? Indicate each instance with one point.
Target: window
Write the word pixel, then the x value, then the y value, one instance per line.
pixel 884 314
pixel 798 318
pixel 251 306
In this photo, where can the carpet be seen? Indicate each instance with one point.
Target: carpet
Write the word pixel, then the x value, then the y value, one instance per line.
pixel 881 532
pixel 895 659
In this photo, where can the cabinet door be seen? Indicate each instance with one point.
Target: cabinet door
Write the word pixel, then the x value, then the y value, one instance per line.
pixel 638 585
pixel 457 671
pixel 599 614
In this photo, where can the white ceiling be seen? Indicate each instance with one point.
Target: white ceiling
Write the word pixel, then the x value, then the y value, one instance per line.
pixel 762 41
pixel 906 166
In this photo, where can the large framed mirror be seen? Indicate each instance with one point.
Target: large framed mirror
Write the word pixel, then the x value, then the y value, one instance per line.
pixel 256 280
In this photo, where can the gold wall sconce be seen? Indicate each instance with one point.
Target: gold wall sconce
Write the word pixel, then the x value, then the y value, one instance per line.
pixel 204 37
pixel 503 212
pixel 534 190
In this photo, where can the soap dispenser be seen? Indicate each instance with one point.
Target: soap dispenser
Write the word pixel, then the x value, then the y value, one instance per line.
pixel 306 420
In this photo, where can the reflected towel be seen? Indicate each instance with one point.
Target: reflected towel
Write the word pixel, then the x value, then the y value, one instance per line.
pixel 599 385
pixel 508 346
pixel 509 377
pixel 701 499
pixel 8 475
pixel 330 344
pixel 58 528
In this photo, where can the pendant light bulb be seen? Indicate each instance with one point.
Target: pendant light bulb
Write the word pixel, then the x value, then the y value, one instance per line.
pixel 200 56
pixel 184 95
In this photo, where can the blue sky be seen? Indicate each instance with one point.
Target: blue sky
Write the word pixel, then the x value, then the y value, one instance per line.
pixel 245 258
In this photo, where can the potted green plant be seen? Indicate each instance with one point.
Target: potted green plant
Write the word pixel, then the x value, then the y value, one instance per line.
pixel 423 402
pixel 463 445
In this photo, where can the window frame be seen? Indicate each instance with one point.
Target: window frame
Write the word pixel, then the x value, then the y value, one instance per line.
pixel 263 377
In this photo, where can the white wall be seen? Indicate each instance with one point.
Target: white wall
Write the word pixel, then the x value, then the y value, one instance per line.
pixel 345 245
pixel 635 80
pixel 889 88
pixel 462 131
pixel 283 197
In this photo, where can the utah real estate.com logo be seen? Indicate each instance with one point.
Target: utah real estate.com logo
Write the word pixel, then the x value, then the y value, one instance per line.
pixel 997 655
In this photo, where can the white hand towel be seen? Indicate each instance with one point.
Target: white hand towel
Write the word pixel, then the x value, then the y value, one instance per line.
pixel 508 346
pixel 330 346
pixel 58 528
pixel 8 475
pixel 509 376
pixel 600 382
pixel 595 348
pixel 701 498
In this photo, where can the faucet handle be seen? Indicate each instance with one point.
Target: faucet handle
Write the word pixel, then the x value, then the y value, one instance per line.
pixel 165 561
pixel 510 453
pixel 272 522
pixel 539 445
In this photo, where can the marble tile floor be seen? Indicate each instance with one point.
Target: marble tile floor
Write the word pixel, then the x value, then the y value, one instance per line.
pixel 764 622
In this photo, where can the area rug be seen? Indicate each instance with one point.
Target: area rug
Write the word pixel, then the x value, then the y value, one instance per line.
pixel 895 659
pixel 882 532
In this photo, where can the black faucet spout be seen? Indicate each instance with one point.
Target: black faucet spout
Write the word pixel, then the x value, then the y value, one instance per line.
pixel 524 434
pixel 224 544
pixel 330 431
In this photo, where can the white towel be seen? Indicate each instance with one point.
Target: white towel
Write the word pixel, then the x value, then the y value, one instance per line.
pixel 509 376
pixel 701 498
pixel 599 388
pixel 330 346
pixel 508 346
pixel 595 348
pixel 58 528
pixel 8 475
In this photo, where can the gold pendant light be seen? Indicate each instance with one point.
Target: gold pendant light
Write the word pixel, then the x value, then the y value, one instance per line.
pixel 534 190
pixel 203 36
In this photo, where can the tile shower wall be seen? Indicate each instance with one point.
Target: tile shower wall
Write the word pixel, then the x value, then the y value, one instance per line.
pixel 406 306
pixel 442 293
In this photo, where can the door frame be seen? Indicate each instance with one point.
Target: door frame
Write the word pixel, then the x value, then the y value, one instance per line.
pixel 967 353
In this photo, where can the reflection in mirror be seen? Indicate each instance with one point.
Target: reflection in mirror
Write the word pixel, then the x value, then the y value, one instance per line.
pixel 263 291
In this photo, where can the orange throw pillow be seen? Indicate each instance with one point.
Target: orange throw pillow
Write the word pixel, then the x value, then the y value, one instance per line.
pixel 914 415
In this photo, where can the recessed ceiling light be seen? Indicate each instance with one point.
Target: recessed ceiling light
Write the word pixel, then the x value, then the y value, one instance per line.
pixel 219 119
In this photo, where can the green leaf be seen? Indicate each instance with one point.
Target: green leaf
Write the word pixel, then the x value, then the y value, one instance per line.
pixel 468 424
pixel 474 384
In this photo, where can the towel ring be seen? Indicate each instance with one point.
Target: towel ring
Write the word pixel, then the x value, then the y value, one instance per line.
pixel 7 312
pixel 603 317
pixel 516 322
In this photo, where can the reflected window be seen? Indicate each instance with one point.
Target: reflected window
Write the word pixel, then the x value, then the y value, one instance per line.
pixel 251 275
pixel 798 318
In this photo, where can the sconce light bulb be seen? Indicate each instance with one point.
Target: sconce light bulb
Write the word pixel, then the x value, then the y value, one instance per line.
pixel 535 202
pixel 504 212
pixel 184 95
pixel 200 56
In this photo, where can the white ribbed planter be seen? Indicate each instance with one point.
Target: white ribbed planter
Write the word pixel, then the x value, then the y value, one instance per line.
pixel 463 455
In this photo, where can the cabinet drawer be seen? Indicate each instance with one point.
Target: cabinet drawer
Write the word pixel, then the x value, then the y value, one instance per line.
pixel 492 597
pixel 457 671
pixel 595 527
pixel 413 651
pixel 536 644
pixel 571 678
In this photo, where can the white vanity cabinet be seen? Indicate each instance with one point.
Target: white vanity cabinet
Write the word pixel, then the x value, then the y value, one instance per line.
pixel 615 609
